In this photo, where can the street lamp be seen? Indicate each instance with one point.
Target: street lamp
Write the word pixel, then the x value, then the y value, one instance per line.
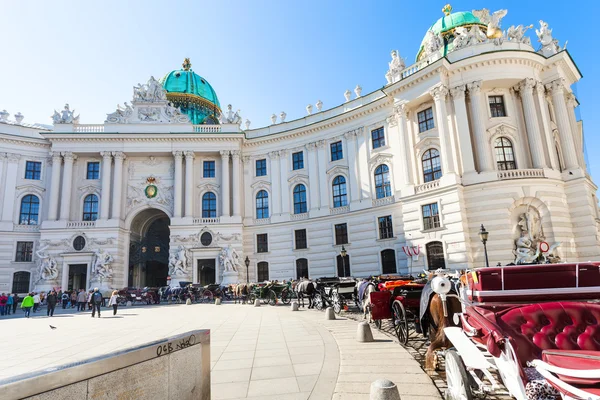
pixel 247 262
pixel 483 235
pixel 343 253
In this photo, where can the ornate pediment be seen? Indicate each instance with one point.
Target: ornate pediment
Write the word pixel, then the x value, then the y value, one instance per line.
pixel 89 188
pixel 382 158
pixel 208 186
pixel 298 178
pixel 29 188
pixel 337 169
pixel 262 184
pixel 503 129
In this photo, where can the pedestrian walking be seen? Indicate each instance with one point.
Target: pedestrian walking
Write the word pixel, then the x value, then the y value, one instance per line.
pixel 65 299
pixel 9 304
pixel 27 304
pixel 114 301
pixel 3 301
pixel 89 299
pixel 96 302
pixel 15 302
pixel 73 298
pixel 81 299
pixel 36 301
pixel 51 300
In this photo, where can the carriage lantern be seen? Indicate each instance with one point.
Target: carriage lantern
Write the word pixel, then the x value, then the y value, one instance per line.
pixel 483 235
pixel 247 262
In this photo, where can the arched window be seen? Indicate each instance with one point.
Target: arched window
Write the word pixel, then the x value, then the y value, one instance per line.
pixel 30 208
pixel 300 199
pixel 262 269
pixel 435 256
pixel 432 169
pixel 21 282
pixel 262 204
pixel 301 268
pixel 209 205
pixel 505 156
pixel 339 192
pixel 388 262
pixel 382 182
pixel 90 207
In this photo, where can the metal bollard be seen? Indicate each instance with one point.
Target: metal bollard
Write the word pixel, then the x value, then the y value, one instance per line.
pixel 188 302
pixel 329 314
pixel 256 303
pixel 363 333
pixel 218 301
pixel 294 306
pixel 384 389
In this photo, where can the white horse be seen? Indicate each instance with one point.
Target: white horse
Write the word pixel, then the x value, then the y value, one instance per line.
pixel 365 298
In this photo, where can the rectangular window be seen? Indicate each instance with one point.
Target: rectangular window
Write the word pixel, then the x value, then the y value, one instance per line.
pixel 263 271
pixel 208 169
pixel 497 106
pixel 336 151
pixel 262 245
pixel 93 170
pixel 298 160
pixel 378 137
pixel 261 167
pixel 301 239
pixel 341 234
pixel 425 119
pixel 33 170
pixel 431 216
pixel 24 252
pixel 386 229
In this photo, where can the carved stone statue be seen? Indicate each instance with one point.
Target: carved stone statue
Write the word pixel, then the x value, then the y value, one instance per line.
pixel 309 109
pixel 4 116
pixel 102 269
pixel 358 90
pixel 121 115
pixel 347 95
pixel 282 116
pixel 66 116
pixel 461 37
pixel 178 262
pixel 48 267
pixel 433 43
pixel 273 119
pixel 517 34
pixel 230 117
pixel 319 105
pixel 549 44
pixel 247 124
pixel 150 92
pixel 492 21
pixel 395 67
pixel 230 259
pixel 527 246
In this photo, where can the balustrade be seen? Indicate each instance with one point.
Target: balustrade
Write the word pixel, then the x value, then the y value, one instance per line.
pixel 427 186
pixel 521 174
pixel 81 224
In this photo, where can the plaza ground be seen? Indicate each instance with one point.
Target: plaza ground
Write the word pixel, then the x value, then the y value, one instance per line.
pixel 265 352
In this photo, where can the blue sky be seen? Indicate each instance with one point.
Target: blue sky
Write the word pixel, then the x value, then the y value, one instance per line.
pixel 263 57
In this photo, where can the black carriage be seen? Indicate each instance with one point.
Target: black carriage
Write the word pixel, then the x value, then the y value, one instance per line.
pixel 335 292
pixel 269 293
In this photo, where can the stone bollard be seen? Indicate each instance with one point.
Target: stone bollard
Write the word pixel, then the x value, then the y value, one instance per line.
pixel 128 304
pixel 329 314
pixel 188 302
pixel 363 333
pixel 294 306
pixel 384 389
pixel 257 303
pixel 218 301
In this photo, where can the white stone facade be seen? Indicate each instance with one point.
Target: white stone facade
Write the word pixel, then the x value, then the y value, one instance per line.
pixel 549 178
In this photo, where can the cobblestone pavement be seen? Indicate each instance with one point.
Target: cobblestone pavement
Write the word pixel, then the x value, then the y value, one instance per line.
pixel 256 352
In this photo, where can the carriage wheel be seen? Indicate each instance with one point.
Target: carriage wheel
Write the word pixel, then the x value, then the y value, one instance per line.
pixel 400 322
pixel 250 299
pixel 337 302
pixel 272 297
pixel 207 296
pixel 458 378
pixel 285 297
pixel 318 301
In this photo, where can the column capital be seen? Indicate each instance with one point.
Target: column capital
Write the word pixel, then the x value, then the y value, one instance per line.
pixel 55 154
pixel 188 154
pixel 320 143
pixel 13 157
pixel 283 153
pixel 178 154
pixel 235 154
pixel 556 86
pixel 539 88
pixel 353 133
pixel 106 154
pixel 224 153
pixel 246 159
pixel 458 92
pixel 401 110
pixel 439 92
pixel 571 100
pixel 311 146
pixel 474 88
pixel 274 155
pixel 68 155
pixel 119 155
pixel 526 86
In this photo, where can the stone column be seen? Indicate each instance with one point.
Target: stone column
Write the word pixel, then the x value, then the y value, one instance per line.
pixel 275 195
pixel 354 183
pixel 12 168
pixel 482 147
pixel 531 122
pixel 565 132
pixel 236 190
pixel 284 167
pixel 540 91
pixel 248 168
pixel 65 276
pixel 414 167
pixel 2 178
pixel 464 132
pixel 313 174
pixel 364 180
pixel 105 198
pixel 54 185
pixel 403 165
pixel 189 183
pixel 119 156
pixel 571 104
pixel 178 184
pixel 225 209
pixel 439 94
pixel 323 182
pixel 65 201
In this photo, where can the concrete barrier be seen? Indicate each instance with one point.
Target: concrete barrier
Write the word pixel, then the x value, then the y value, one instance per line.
pixel 363 332
pixel 329 314
pixel 188 302
pixel 174 368
pixel 256 303
pixel 383 389
pixel 217 301
pixel 294 306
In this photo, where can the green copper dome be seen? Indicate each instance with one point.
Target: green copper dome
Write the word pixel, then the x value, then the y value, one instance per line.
pixel 193 94
pixel 447 24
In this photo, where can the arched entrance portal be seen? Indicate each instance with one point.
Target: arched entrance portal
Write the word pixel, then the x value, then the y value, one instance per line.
pixel 149 249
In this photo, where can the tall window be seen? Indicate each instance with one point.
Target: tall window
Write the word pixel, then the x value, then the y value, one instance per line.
pixel 262 243
pixel 435 256
pixel 505 158
pixel 301 268
pixel 30 208
pixel 378 137
pixel 431 216
pixel 341 234
pixel 336 151
pixel 388 262
pixel 386 228
pixel 300 199
pixel 90 207
pixel 33 170
pixel 208 169
pixel 24 252
pixel 432 169
pixel 209 205
pixel 21 282
pixel 262 204
pixel 261 167
pixel 262 271
pixel 300 236
pixel 382 182
pixel 343 265
pixel 425 119
pixel 93 170
pixel 497 106
pixel 339 192
pixel 298 160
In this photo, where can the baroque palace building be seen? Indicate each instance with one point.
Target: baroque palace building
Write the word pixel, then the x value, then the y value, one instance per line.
pixel 481 129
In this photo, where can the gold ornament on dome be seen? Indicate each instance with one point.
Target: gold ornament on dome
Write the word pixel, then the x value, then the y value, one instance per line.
pixel 447 9
pixel 187 64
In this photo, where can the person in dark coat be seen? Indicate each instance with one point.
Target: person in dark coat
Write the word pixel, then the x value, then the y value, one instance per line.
pixel 96 302
pixel 51 301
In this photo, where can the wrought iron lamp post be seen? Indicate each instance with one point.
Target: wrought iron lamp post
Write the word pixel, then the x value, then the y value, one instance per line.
pixel 483 235
pixel 247 262
pixel 343 253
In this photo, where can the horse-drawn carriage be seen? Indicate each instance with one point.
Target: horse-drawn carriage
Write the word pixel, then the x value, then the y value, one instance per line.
pixel 136 295
pixel 535 326
pixel 270 293
pixel 336 292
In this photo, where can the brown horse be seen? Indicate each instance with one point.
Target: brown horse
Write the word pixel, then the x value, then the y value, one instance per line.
pixel 437 323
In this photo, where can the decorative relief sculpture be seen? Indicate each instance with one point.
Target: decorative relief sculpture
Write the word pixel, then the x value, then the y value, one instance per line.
pixel 530 246
pixel 179 262
pixel 230 117
pixel 230 259
pixel 492 21
pixel 48 267
pixel 66 116
pixel 433 43
pixel 549 44
pixel 102 270
pixel 153 192
pixel 517 34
